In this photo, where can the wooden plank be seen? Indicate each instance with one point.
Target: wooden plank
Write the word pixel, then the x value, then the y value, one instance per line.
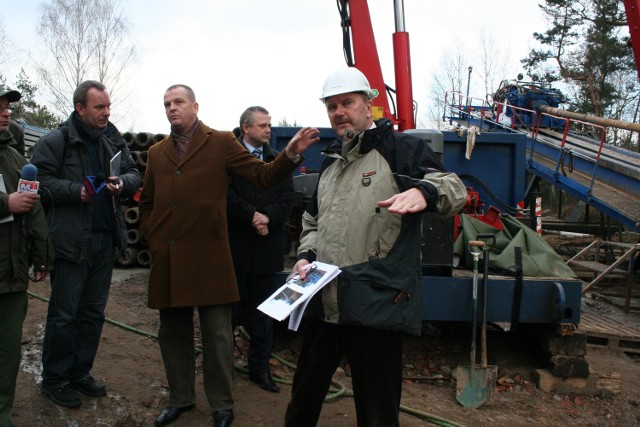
pixel 605 332
pixel 612 325
pixel 598 267
pixel 617 301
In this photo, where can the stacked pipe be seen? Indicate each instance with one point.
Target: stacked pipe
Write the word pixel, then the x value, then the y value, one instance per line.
pixel 136 253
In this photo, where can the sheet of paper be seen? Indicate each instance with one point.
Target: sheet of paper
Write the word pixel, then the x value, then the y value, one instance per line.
pixel 115 164
pixel 296 292
pixel 296 315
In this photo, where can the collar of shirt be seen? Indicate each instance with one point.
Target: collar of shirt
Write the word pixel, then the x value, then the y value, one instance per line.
pixel 251 148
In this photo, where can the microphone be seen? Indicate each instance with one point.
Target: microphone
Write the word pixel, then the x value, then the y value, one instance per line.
pixel 27 182
pixel 93 184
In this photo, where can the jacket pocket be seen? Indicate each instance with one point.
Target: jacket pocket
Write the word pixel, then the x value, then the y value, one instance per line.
pixel 377 305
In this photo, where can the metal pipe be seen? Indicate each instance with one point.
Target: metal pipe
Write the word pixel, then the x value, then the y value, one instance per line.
pixel 469 83
pixel 402 68
pixel 399 12
pixel 404 89
pixel 144 257
pixel 128 256
pixel 144 139
pixel 131 215
pixel 133 236
pixel 590 119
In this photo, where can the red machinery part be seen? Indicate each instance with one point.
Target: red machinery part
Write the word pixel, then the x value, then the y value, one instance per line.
pixel 366 59
pixel 632 9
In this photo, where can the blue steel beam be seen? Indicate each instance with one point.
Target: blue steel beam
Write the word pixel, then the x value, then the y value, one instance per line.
pixel 612 192
pixel 624 177
pixel 498 160
pixel 544 300
pixel 612 186
pixel 581 192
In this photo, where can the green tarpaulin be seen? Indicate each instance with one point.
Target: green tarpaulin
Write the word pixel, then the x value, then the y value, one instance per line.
pixel 538 258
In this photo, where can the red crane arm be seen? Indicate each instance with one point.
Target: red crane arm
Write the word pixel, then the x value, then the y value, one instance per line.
pixel 358 19
pixel 632 8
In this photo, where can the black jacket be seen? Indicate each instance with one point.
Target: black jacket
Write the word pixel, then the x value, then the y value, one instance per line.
pixel 253 253
pixel 63 162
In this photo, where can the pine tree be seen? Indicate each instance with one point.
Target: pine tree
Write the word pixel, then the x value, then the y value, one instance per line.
pixel 27 110
pixel 585 47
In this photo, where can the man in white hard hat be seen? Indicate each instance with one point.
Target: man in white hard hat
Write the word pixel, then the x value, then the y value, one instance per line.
pixel 365 217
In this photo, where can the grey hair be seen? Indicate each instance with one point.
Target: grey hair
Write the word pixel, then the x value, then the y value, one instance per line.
pixel 247 116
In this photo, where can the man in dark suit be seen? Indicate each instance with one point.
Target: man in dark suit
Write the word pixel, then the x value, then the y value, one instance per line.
pixel 257 220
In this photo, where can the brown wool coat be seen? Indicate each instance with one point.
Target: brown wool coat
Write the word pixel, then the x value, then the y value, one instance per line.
pixel 183 216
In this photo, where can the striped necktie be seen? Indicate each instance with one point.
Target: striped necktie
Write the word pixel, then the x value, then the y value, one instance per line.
pixel 257 153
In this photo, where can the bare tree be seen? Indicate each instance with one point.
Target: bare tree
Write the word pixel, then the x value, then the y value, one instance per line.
pixel 447 85
pixel 494 59
pixel 447 82
pixel 113 51
pixel 6 47
pixel 453 79
pixel 84 39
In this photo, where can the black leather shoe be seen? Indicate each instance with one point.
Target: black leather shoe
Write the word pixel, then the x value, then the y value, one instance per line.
pixel 63 396
pixel 223 418
pixel 90 387
pixel 170 413
pixel 265 382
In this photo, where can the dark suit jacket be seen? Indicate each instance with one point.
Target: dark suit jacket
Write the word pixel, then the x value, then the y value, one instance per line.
pixel 251 252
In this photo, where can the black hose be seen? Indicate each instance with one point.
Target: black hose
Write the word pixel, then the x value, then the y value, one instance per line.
pixel 345 22
pixel 509 209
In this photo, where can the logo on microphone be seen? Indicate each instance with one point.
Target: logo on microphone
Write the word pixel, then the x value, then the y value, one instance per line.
pixel 27 182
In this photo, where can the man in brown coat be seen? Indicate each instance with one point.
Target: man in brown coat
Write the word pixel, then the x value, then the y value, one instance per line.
pixel 183 216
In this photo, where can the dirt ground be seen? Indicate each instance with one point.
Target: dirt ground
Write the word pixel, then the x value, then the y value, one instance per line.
pixel 129 363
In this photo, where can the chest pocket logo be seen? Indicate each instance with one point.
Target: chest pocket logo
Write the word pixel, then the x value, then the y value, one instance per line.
pixel 366 178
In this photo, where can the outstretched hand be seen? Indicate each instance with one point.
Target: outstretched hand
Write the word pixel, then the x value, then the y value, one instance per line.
pixel 301 141
pixel 410 201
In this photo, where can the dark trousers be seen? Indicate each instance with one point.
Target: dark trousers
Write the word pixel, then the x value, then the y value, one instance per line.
pixel 13 310
pixel 179 357
pixel 254 289
pixel 375 358
pixel 79 293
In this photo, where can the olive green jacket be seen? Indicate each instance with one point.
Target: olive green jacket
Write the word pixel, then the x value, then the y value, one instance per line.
pixel 24 241
pixel 378 252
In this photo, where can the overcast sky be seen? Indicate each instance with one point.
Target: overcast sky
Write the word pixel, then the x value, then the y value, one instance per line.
pixel 274 53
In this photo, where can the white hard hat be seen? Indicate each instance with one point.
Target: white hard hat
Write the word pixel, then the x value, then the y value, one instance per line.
pixel 347 80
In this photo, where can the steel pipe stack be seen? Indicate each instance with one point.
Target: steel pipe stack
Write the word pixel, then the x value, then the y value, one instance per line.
pixel 137 253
